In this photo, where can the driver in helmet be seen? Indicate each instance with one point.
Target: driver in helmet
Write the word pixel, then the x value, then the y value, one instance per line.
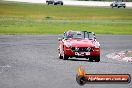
pixel 69 34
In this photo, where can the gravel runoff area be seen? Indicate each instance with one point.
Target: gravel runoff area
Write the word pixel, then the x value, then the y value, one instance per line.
pixel 74 2
pixel 121 56
pixel 31 61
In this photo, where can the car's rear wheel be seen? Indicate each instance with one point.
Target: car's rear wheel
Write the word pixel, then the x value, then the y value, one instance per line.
pixel 61 3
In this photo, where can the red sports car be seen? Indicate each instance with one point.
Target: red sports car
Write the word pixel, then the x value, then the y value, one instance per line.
pixel 79 44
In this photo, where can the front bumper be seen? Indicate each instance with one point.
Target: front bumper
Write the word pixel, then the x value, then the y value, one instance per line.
pixel 70 53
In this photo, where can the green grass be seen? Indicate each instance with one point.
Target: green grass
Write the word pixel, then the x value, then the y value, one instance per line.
pixel 22 18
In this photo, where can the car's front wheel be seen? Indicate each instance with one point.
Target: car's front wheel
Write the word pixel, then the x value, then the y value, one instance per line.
pixel 94 58
pixel 65 57
pixel 91 59
pixel 55 3
pixel 60 57
pixel 47 3
pixel 97 58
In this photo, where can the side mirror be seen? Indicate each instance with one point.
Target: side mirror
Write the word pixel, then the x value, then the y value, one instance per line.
pixel 59 39
pixel 93 33
pixel 94 38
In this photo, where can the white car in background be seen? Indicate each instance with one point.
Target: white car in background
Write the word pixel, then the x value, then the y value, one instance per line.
pixel 118 4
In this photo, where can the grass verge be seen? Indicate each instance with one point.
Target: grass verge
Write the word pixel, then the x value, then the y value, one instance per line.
pixel 22 18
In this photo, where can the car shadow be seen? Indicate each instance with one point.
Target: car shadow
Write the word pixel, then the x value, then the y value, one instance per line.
pixel 78 60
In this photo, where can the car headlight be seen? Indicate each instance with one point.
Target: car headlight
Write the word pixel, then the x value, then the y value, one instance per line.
pixel 68 44
pixel 97 45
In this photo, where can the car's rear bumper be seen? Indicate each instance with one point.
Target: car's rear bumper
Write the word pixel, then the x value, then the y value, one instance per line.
pixel 121 5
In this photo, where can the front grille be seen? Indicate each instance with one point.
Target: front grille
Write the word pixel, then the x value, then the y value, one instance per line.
pixel 82 49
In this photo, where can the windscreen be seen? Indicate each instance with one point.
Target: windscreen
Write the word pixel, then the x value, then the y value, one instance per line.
pixel 79 34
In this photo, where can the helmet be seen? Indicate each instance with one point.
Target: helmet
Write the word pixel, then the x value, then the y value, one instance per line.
pixel 70 34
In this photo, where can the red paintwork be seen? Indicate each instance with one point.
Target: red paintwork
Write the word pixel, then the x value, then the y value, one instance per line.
pixel 78 43
pixel 81 42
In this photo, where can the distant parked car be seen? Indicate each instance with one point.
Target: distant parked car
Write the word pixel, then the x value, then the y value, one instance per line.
pixel 118 4
pixel 54 2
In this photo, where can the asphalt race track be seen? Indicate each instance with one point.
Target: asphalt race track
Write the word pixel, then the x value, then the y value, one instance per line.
pixel 31 61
